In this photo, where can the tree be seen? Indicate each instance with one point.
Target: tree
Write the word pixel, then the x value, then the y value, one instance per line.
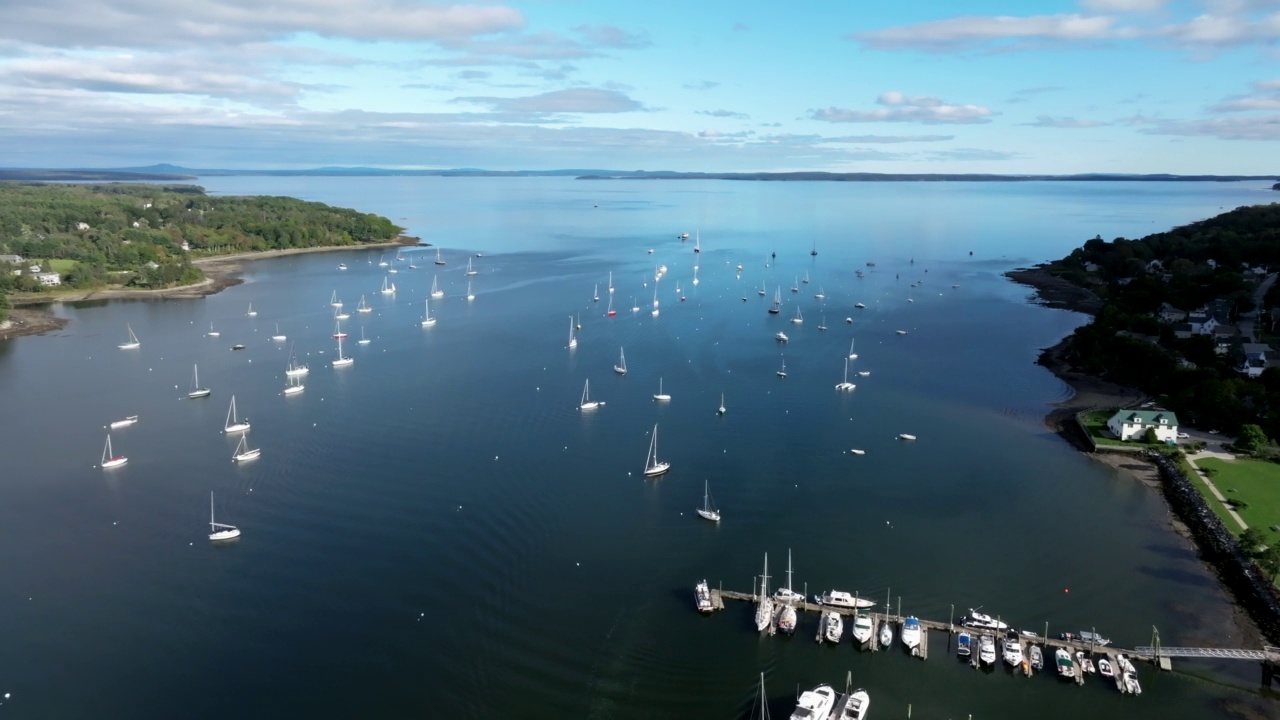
pixel 1251 438
pixel 1269 559
pixel 4 307
pixel 1150 436
pixel 1251 542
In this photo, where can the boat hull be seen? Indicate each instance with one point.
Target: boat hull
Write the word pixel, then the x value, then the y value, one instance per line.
pixel 247 456
pixel 656 470
pixel 294 389
pixel 343 362
pixel 222 535
pixel 237 428
pixel 202 392
pixel 712 515
pixel 115 462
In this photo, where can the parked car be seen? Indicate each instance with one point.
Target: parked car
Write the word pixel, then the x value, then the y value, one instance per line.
pixel 1183 436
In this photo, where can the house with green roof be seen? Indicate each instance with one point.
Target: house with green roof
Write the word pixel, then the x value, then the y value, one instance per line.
pixel 1133 425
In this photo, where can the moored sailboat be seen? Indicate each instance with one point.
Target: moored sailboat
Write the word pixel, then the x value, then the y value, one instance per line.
pixel 845 385
pixel 587 403
pixel 196 390
pixel 342 361
pixel 234 424
pixel 220 531
pixel 708 510
pixel 363 307
pixel 427 320
pixel 436 292
pixel 109 458
pixel 661 396
pixel 243 452
pixel 652 466
pixel 132 343
pixel 621 367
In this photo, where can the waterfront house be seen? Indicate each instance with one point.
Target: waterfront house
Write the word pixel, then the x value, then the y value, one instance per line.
pixel 49 279
pixel 1133 425
pixel 11 259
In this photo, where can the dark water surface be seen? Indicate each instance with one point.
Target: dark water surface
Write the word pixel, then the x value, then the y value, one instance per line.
pixel 437 531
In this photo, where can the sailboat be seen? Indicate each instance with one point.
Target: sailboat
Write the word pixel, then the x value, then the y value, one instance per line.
pixel 846 385
pixel 697 241
pixel 806 277
pixel 822 326
pixel 470 295
pixel 852 355
pixel 278 337
pixel 339 315
pixel 363 307
pixel 110 460
pixel 382 260
pixel 798 318
pixel 783 371
pixel 695 274
pixel 470 270
pixel 777 301
pixel 610 282
pixel 337 330
pixel 652 466
pixel 764 606
pixel 587 403
pixel 212 332
pixel 294 369
pixel 621 367
pixel 436 292
pixel 634 307
pixel 661 395
pixel 363 340
pixel 814 251
pixel 721 410
pixel 708 510
pixel 610 312
pixel 342 361
pixel 573 339
pixel 334 301
pixel 795 288
pixel 427 320
pixel 764 706
pixel 595 293
pixel 133 342
pixel 820 294
pixel 295 385
pixel 243 453
pixel 252 312
pixel 439 260
pixel 655 300
pixel 233 423
pixel 220 531
pixel 196 390
pixel 388 289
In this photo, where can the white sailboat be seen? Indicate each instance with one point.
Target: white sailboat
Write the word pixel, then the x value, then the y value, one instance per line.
pixel 470 270
pixel 852 355
pixel 132 343
pixel 695 274
pixel 846 385
pixel 388 288
pixel 109 459
pixel 427 320
pixel 333 299
pixel 220 531
pixel 436 292
pixel 295 385
pixel 439 260
pixel 822 326
pixel 621 367
pixel 777 301
pixel 573 339
pixel 243 452
pixel 196 390
pixel 654 312
pixel 294 369
pixel 652 466
pixel 470 295
pixel 587 403
pixel 595 293
pixel 278 337
pixel 342 361
pixel 363 340
pixel 382 260
pixel 610 282
pixel 764 605
pixel 796 287
pixel 252 312
pixel 661 396
pixel 234 424
pixel 806 277
pixel 339 315
pixel 786 594
pixel 708 510
pixel 783 371
pixel 820 295
pixel 798 318
pixel 363 307
pixel 721 409
pixel 124 422
pixel 212 332
pixel 634 307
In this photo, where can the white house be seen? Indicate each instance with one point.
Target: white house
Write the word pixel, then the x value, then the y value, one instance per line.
pixel 1133 425
pixel 1202 324
pixel 11 259
pixel 82 226
pixel 49 279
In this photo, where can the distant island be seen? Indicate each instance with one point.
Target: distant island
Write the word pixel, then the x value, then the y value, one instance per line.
pixel 60 240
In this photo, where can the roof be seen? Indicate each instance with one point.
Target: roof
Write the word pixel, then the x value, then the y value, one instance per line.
pixel 1146 417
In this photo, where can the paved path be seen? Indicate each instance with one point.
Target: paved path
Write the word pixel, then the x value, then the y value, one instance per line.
pixel 1214 488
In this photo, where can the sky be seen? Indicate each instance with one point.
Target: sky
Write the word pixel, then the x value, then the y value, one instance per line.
pixel 1028 86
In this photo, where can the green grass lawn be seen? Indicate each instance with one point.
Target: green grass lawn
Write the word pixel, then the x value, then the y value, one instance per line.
pixel 1254 482
pixel 61 266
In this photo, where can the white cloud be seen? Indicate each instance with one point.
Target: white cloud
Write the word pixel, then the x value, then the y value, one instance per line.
pixel 901 108
pixel 1123 6
pixel 1048 121
pixel 967 31
pixel 613 37
pixel 724 114
pixel 889 139
pixel 1245 104
pixel 574 100
pixel 1229 128
pixel 971 154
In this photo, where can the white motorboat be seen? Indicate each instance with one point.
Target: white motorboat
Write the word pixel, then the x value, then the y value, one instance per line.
pixel 436 292
pixel 845 384
pixel 109 458
pixel 342 361
pixel 427 320
pixel 708 510
pixel 798 318
pixel 621 367
pixel 251 312
pixel 908 438
pixel 860 306
pixel 862 627
pixel 976 619
pixel 212 332
pixel 652 466
pixel 278 337
pixel 661 396
pixel 1066 666
pixel 1084 663
pixel 702 597
pixel 1105 669
pixel 132 343
pixel 220 531
pixel 832 626
pixel 987 649
pixel 196 390
pixel 1036 657
pixel 964 645
pixel 901 332
pixel 858 451
pixel 764 603
pixel 786 618
pixel 1131 684
pixel 234 424
pixel 388 288
pixel 781 337
pixel 786 595
pixel 886 635
pixel 363 307
pixel 855 706
pixel 439 259
pixel 864 373
pixel 911 633
pixel 587 403
pixel 125 422
pixel 815 704
pixel 1012 652
pixel 243 452
pixel 342 266
pixel 840 598
pixel 472 271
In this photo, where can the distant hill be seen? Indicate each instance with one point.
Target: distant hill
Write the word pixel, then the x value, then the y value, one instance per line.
pixel 37 175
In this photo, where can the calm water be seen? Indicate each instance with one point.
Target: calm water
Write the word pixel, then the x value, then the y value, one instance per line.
pixel 438 532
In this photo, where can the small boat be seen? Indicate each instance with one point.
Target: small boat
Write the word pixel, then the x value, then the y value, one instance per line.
pixel 212 332
pixel 782 372
pixel 815 704
pixel 439 260
pixel 832 626
pixel 786 618
pixel 857 451
pixel 777 302
pixel 342 361
pixel 855 706
pixel 886 634
pixel 337 330
pixel 786 595
pixel 905 436
pixel 661 396
pixel 1124 664
pixel 126 422
pixel 293 369
pixel 708 510
pixel 196 390
pixel 845 385
pixel 427 320
pixel 436 292
pixel 862 626
pixel 1085 663
pixel 573 339
pixel 278 337
pixel 595 293
pixel 342 266
pixel 682 236
pixel 702 597
pixel 220 531
pixel 911 633
pixel 864 373
pixel 721 410
pixel 363 307
pixel 987 649
pixel 964 645
pixel 820 295
pixel 1066 666
pixel 109 458
pixel 1105 669
pixel 798 318
pixel 243 452
pixel 587 403
pixel 1012 652
pixel 1036 656
pixel 652 466
pixel 840 598
pixel 860 306
pixel 363 340
pixel 852 355
pixel 388 288
pixel 333 299
pixel 781 337
pixel 470 270
pixel 974 619
pixel 848 321
pixel 764 603
pixel 237 346
pixel 234 424
pixel 132 343
pixel 470 295
pixel 901 332
pixel 1131 684
pixel 479 254
pixel 621 367
pixel 295 386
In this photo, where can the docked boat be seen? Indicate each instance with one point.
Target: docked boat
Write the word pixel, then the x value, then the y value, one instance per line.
pixel 854 707
pixel 132 343
pixel 708 510
pixel 220 531
pixel 911 633
pixel 786 618
pixel 764 603
pixel 652 466
pixel 196 390
pixel 109 458
pixel 861 630
pixel 243 452
pixel 1105 669
pixel 234 424
pixel 125 422
pixel 1131 684
pixel 832 626
pixel 702 596
pixel 845 384
pixel 785 594
pixel 661 396
pixel 1037 657
pixel 886 635
pixel 987 650
pixel 840 598
pixel 1012 652
pixel 964 647
pixel 621 367
pixel 1124 664
pixel 1066 666
pixel 974 619
pixel 1087 637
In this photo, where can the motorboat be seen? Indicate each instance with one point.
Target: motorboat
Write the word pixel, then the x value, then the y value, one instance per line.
pixel 858 451
pixel 965 646
pixel 987 649
pixel 1124 664
pixel 911 633
pixel 1087 637
pixel 975 619
pixel 840 598
pixel 702 596
pixel 901 332
pixel 1105 669
pixel 854 707
pixel 1131 684
pixel 1012 652
pixel 1066 666
pixel 886 634
pixel 832 626
pixel 126 422
pixel 860 306
pixel 1037 657
pixel 909 438
pixel 781 337
pixel 861 628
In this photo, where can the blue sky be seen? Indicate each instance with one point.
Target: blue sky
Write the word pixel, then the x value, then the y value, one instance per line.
pixel 1047 86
